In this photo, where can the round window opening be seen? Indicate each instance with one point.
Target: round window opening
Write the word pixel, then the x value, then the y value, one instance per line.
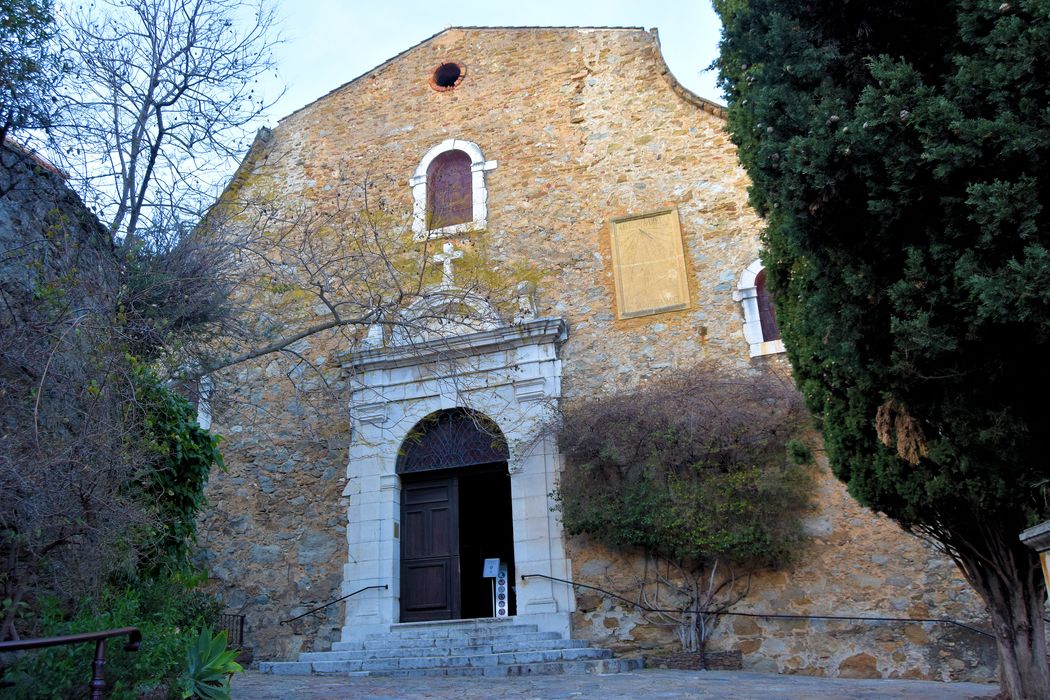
pixel 447 76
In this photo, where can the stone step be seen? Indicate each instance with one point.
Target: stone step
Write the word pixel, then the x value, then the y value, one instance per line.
pixel 458 648
pixel 377 652
pixel 476 628
pixel 380 642
pixel 545 656
pixel 286 668
pixel 595 666
pixel 465 661
pixel 419 663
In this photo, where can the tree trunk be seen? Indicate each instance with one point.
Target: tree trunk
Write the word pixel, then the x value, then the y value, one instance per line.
pixel 1007 575
pixel 1017 616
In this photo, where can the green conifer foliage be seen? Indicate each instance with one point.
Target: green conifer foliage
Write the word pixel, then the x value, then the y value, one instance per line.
pixel 900 153
pixel 29 68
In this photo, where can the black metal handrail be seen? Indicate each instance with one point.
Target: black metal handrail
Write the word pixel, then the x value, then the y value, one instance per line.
pixel 779 616
pixel 98 681
pixel 331 602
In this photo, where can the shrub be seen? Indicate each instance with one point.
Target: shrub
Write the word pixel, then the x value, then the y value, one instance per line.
pixel 696 472
pixel 209 668
pixel 169 613
pixel 180 455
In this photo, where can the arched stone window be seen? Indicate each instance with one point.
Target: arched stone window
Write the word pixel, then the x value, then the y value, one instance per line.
pixel 448 190
pixel 760 322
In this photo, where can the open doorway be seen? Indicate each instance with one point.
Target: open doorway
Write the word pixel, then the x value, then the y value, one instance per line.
pixel 485 532
pixel 451 522
pixel 455 516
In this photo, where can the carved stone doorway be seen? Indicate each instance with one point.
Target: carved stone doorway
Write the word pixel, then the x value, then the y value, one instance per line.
pixel 509 374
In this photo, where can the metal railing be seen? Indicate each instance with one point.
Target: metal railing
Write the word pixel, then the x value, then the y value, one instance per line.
pixel 98 680
pixel 331 602
pixel 774 616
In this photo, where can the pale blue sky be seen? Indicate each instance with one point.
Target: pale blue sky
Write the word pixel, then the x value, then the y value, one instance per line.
pixel 330 42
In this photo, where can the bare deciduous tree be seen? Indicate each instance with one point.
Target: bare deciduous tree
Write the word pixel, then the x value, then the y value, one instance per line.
pixel 338 272
pixel 161 93
pixel 161 97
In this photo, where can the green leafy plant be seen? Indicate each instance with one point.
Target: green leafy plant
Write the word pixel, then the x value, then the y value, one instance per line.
pixel 173 482
pixel 898 152
pixel 209 667
pixel 696 473
pixel 167 612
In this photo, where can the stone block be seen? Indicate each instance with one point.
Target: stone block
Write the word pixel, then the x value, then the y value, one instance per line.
pixel 861 665
pixel 316 547
pixel 263 554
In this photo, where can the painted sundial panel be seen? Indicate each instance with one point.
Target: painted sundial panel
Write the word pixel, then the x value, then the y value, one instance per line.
pixel 649 264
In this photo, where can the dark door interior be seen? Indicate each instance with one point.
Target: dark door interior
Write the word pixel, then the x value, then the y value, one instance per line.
pixel 486 532
pixel 449 525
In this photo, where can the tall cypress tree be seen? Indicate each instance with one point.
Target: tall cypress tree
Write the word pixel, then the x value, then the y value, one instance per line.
pixel 900 153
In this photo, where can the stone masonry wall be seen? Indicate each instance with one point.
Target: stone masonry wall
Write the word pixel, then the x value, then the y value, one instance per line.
pixel 856 563
pixel 273 534
pixel 586 125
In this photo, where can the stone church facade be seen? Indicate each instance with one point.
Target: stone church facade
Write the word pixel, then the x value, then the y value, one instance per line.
pixel 575 152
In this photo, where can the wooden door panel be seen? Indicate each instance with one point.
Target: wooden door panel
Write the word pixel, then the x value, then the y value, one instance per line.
pixel 428 532
pixel 441 527
pixel 425 586
pixel 430 550
pixel 419 494
pixel 412 544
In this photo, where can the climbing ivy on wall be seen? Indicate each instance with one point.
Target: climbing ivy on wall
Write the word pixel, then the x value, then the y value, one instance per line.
pixel 172 482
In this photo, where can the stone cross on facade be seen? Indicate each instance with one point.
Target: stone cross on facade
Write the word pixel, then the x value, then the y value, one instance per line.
pixel 448 254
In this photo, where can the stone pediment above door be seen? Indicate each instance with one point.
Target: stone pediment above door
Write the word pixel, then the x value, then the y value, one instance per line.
pixel 444 312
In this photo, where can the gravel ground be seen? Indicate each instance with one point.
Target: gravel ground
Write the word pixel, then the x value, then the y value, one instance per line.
pixel 727 685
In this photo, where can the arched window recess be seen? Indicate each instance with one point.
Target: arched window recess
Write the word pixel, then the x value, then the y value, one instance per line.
pixel 448 190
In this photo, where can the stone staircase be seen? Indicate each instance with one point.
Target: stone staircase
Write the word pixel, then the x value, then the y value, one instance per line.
pixel 483 647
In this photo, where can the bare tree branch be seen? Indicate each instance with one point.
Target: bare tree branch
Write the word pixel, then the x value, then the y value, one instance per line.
pixel 164 95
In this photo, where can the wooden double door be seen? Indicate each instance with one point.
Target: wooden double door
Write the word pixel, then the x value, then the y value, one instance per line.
pixel 450 523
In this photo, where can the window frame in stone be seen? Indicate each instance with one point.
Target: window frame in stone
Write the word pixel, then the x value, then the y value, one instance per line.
pixel 750 293
pixel 421 227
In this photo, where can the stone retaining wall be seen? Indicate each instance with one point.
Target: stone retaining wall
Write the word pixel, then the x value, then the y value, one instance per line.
pixel 856 563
